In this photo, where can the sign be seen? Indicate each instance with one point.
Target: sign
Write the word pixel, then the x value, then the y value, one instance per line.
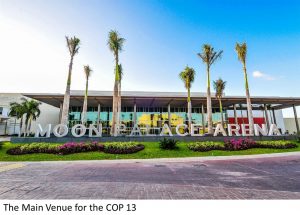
pixel 79 130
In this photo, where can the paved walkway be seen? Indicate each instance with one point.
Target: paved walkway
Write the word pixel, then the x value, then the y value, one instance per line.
pixel 275 177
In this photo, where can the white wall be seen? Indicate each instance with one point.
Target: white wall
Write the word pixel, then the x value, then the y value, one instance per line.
pixel 49 114
pixel 290 124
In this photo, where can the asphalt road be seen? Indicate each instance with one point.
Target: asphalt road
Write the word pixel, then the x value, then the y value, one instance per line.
pixel 257 178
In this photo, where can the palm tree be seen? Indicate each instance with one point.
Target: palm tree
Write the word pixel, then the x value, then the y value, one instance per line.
pixel 188 77
pixel 209 56
pixel 219 86
pixel 115 44
pixel 17 110
pixel 73 47
pixel 28 107
pixel 87 72
pixel 241 50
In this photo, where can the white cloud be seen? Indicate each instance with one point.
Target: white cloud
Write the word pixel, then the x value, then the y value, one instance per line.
pixel 259 74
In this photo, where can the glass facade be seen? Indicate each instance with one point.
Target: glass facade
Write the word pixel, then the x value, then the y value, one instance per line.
pixel 147 117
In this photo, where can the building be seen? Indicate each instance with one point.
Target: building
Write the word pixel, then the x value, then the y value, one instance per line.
pixel 151 109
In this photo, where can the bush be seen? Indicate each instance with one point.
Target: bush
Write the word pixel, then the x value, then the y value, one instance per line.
pixel 67 148
pixel 34 148
pixel 279 144
pixel 205 146
pixel 168 144
pixel 239 144
pixel 1 145
pixel 71 147
pixel 123 147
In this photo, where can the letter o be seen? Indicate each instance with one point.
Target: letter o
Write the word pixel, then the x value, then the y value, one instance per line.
pixel 178 132
pixel 82 130
pixel 59 127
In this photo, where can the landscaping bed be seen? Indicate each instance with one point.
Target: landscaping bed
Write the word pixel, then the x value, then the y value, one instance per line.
pixel 151 150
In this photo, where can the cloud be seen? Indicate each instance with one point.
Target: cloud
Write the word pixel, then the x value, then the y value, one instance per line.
pixel 261 75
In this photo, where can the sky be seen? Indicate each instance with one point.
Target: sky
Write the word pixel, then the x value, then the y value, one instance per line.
pixel 162 37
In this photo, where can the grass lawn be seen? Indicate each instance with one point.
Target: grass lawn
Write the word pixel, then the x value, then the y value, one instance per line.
pixel 151 150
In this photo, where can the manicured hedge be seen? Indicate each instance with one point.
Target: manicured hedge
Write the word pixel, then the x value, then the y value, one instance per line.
pixel 238 144
pixel 279 144
pixel 205 146
pixel 234 144
pixel 67 148
pixel 123 147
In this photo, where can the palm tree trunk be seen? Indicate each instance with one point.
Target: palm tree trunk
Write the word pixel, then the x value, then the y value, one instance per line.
pixel 65 111
pixel 189 108
pixel 119 102
pixel 29 126
pixel 84 108
pixel 26 125
pixel 209 108
pixel 249 106
pixel 115 100
pixel 221 111
pixel 21 126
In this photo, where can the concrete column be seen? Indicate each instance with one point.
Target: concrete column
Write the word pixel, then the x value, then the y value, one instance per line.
pixel 98 114
pixel 266 116
pixel 235 114
pixel 274 117
pixel 60 111
pixel 134 114
pixel 296 119
pixel 203 120
pixel 169 115
pixel 241 106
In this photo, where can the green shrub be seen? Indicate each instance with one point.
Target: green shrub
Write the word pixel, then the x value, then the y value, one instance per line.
pixel 122 147
pixel 278 144
pixel 205 146
pixel 31 148
pixel 1 144
pixel 168 144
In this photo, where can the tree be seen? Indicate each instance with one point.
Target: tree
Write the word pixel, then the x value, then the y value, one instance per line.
pixel 32 112
pixel 209 56
pixel 188 77
pixel 87 71
pixel 219 86
pixel 73 47
pixel 241 50
pixel 115 44
pixel 17 110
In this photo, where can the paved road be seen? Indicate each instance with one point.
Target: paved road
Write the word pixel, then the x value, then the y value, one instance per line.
pixel 259 178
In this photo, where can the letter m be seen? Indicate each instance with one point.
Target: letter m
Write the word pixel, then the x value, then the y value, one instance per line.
pixel 42 132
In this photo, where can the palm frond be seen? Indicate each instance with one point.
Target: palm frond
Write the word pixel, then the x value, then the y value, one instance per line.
pixel 219 86
pixel 87 71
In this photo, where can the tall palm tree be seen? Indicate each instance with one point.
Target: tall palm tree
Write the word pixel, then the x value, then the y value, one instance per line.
pixel 115 44
pixel 17 110
pixel 241 50
pixel 87 71
pixel 209 56
pixel 188 77
pixel 73 47
pixel 219 86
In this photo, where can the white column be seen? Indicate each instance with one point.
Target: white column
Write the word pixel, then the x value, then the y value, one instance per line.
pixel 98 114
pixel 169 115
pixel 296 119
pixel 134 114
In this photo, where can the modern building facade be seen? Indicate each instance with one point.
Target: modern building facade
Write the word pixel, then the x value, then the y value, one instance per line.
pixel 154 109
pixel 150 109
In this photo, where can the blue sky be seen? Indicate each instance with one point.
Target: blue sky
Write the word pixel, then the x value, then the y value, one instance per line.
pixel 162 37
